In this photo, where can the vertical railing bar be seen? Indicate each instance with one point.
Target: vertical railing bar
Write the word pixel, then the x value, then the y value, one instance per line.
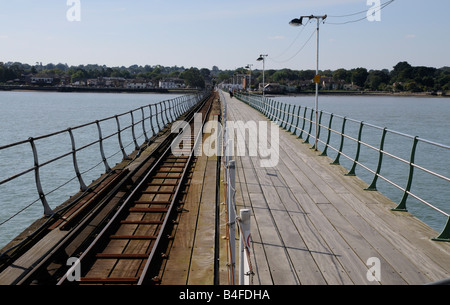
pixel 341 145
pixel 143 125
pixel 157 120
pixel 358 149
pixel 310 126
pixel 151 120
pixel 83 186
pixel 318 131
pixel 283 122
pixel 165 113
pixel 119 137
pixel 300 136
pixel 136 146
pixel 324 153
pixel 47 210
pixel 402 205
pixel 373 185
pixel 291 125
pixel 102 152
pixel 298 120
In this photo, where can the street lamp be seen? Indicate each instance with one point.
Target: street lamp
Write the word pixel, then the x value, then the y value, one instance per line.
pixel 263 59
pixel 249 66
pixel 299 22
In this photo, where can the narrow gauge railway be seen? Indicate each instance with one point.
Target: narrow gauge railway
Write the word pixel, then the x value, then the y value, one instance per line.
pixel 130 244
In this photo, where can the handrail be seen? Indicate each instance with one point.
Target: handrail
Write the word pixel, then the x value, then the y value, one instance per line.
pixel 291 119
pixel 245 269
pixel 163 113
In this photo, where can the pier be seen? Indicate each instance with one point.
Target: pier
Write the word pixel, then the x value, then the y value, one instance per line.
pixel 311 222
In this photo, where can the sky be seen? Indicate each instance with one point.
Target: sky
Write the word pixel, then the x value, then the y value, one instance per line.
pixel 228 34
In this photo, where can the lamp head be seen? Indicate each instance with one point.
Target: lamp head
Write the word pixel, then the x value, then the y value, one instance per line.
pixel 296 22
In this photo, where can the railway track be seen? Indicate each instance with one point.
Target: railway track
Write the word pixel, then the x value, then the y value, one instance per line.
pixel 133 245
pixel 130 246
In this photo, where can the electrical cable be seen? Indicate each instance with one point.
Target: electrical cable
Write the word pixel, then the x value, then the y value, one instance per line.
pixel 304 45
pixel 382 6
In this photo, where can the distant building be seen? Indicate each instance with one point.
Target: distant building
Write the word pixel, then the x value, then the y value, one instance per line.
pixel 116 82
pixel 43 80
pixel 172 83
pixel 139 84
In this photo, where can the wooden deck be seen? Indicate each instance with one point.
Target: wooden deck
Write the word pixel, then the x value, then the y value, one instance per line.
pixel 191 259
pixel 312 225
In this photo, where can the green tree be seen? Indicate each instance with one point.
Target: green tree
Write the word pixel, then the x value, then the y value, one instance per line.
pixel 359 76
pixel 193 78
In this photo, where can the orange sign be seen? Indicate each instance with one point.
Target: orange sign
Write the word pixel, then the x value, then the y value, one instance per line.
pixel 316 79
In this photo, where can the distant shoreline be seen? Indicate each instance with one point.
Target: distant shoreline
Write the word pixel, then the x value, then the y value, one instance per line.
pixel 362 93
pixel 93 90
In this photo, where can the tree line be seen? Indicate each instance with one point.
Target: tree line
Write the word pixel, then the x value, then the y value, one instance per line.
pixel 14 71
pixel 403 77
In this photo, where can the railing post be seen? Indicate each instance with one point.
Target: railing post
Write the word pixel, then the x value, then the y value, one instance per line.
pixel 136 146
pixel 102 152
pixel 310 127
pixel 284 117
pixel 143 125
pixel 119 137
pixel 324 153
pixel 445 234
pixel 151 120
pixel 232 214
pixel 83 186
pixel 373 185
pixel 303 125
pixel 358 149
pixel 244 247
pixel 318 131
pixel 336 161
pixel 402 205
pixel 165 112
pixel 291 125
pixel 47 210
pixel 157 120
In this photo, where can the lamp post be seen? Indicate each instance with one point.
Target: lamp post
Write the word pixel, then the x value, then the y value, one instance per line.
pixel 263 59
pixel 298 22
pixel 249 66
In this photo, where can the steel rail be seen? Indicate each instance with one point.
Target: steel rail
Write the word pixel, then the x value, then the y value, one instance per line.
pixel 186 110
pixel 137 190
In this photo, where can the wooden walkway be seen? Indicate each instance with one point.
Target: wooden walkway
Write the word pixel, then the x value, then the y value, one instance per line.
pixel 312 225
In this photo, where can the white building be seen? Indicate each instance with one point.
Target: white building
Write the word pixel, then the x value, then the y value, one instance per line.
pixel 171 83
pixel 139 84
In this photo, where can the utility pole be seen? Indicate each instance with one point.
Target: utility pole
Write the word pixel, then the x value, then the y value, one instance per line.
pixel 263 59
pixel 298 22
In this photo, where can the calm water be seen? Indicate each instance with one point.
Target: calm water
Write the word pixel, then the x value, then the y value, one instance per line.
pixel 33 114
pixel 427 118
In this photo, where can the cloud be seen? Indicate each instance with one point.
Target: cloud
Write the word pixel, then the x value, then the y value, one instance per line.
pixel 411 36
pixel 277 37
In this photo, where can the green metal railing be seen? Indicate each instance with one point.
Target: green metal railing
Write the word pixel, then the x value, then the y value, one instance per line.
pixel 364 145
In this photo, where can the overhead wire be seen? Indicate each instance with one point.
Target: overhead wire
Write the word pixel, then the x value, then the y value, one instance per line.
pixel 378 9
pixel 382 6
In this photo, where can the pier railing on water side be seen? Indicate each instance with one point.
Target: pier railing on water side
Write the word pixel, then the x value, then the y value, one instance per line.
pixel 243 220
pixel 299 121
pixel 149 120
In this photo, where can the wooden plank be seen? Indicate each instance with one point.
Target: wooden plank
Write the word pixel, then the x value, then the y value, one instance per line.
pixel 177 268
pixel 201 271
